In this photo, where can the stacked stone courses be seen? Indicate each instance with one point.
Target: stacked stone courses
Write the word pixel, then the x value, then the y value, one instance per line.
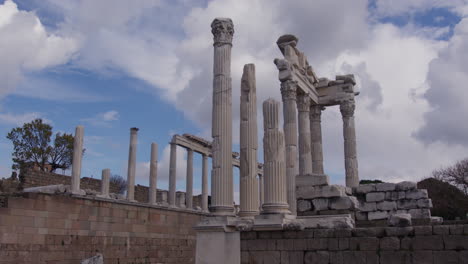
pixel 418 244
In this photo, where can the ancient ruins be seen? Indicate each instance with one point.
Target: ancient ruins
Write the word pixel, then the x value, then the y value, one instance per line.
pixel 288 212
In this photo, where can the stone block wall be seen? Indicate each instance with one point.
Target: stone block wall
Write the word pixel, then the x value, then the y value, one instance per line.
pixel 41 228
pixel 378 201
pixel 439 244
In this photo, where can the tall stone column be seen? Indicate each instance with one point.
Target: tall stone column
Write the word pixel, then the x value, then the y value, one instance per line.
pixel 189 180
pixel 105 183
pixel 172 175
pixel 288 93
pixel 249 200
pixel 349 133
pixel 153 188
pixel 316 138
pixel 204 202
pixel 305 155
pixel 76 162
pixel 222 193
pixel 260 188
pixel 132 164
pixel 274 167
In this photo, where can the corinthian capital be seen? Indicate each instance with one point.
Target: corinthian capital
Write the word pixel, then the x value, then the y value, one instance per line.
pixel 303 102
pixel 223 30
pixel 347 108
pixel 288 90
pixel 316 112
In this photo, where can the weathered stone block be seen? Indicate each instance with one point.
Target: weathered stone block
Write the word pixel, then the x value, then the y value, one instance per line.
pixel 364 188
pixel 343 232
pixel 311 192
pixel 456 229
pixel 319 257
pixel 386 206
pixel 317 244
pixel 422 257
pixel 423 230
pixel 428 243
pixel 341 203
pixel 320 204
pixel 407 204
pixel 354 257
pixel 420 213
pixel 364 232
pixel 367 207
pixel 456 242
pixel 390 243
pixel 364 243
pixel 392 196
pixel 360 216
pixel 425 203
pixel 333 244
pixel 406 185
pixel 375 197
pixel 406 243
pixel 303 205
pixel 399 220
pixel 445 257
pixel 441 230
pixel 399 231
pixel 343 243
pixel 392 257
pixel 324 233
pixel 416 194
pixel 377 215
pixel 385 187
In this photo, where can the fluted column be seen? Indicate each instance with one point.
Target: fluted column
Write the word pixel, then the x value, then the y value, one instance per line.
pixel 132 164
pixel 249 200
pixel 305 155
pixel 274 166
pixel 105 177
pixel 349 134
pixel 316 138
pixel 189 180
pixel 172 175
pixel 204 202
pixel 76 162
pixel 288 93
pixel 261 192
pixel 153 188
pixel 222 193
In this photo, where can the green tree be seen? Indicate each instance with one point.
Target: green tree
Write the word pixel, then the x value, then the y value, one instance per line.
pixel 31 146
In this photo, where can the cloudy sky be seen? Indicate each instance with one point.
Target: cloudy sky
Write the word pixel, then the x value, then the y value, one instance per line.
pixel 114 64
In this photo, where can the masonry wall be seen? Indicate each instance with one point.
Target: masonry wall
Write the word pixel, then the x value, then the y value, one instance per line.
pixel 40 228
pixel 442 244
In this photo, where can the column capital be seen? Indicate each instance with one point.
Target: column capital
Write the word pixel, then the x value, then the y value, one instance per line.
pixel 288 90
pixel 223 31
pixel 303 102
pixel 316 112
pixel 347 108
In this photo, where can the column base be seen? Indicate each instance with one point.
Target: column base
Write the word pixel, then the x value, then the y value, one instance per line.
pixel 275 208
pixel 222 210
pixel 312 180
pixel 248 213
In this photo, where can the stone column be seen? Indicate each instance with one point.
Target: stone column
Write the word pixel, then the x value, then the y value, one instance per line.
pixel 105 183
pixel 189 180
pixel 316 137
pixel 132 164
pixel 288 93
pixel 305 155
pixel 349 133
pixel 274 168
pixel 76 162
pixel 172 175
pixel 249 200
pixel 153 188
pixel 222 193
pixel 204 183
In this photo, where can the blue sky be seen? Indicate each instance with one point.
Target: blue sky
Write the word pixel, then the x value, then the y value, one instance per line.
pixel 112 65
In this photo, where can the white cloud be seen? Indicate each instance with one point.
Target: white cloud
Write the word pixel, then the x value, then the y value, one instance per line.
pixel 26 46
pixel 386 8
pixel 103 119
pixel 20 119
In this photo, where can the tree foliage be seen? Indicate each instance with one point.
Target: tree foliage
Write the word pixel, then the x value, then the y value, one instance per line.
pixel 456 175
pixel 31 146
pixel 118 181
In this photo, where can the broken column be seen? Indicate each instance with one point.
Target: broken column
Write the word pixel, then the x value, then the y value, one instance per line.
pixel 316 138
pixel 105 183
pixel 172 175
pixel 305 155
pixel 189 180
pixel 249 200
pixel 76 162
pixel 274 167
pixel 349 133
pixel 222 194
pixel 153 188
pixel 132 164
pixel 288 93
pixel 204 203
